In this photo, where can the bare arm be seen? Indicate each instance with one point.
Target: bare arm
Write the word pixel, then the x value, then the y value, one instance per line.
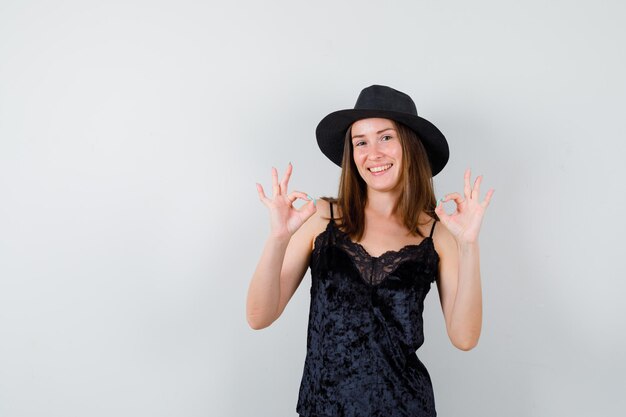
pixel 459 275
pixel 460 290
pixel 278 274
pixel 285 256
pixel 264 289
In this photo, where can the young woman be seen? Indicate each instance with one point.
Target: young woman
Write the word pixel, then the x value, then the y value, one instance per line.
pixel 373 252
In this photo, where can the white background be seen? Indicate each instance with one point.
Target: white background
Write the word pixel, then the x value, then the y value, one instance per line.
pixel 131 137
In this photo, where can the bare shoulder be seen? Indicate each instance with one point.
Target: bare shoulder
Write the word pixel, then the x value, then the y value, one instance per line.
pixel 323 209
pixel 443 240
pixel 321 217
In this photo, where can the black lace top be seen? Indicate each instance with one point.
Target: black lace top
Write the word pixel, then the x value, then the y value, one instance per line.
pixel 365 325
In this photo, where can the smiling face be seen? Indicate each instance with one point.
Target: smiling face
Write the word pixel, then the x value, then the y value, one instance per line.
pixel 377 153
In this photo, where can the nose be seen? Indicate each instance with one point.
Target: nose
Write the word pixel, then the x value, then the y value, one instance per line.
pixel 374 153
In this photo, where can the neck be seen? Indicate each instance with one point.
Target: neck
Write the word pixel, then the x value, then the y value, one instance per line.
pixel 381 203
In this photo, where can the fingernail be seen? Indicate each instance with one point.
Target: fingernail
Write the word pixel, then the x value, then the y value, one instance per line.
pixel 309 197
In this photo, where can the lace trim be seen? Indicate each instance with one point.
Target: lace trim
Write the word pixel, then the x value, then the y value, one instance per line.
pixel 374 269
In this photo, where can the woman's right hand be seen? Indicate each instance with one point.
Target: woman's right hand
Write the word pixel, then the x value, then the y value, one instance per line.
pixel 285 220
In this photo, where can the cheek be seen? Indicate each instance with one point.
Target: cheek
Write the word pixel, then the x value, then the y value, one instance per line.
pixel 398 153
pixel 358 157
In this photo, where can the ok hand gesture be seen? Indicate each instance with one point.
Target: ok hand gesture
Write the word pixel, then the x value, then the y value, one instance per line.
pixel 285 220
pixel 465 222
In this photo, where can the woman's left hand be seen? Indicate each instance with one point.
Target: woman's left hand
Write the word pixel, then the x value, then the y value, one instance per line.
pixel 465 222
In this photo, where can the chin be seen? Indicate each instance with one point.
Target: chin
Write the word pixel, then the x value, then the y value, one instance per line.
pixel 378 187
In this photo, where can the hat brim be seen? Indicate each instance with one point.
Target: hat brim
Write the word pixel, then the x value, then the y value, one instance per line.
pixel 331 131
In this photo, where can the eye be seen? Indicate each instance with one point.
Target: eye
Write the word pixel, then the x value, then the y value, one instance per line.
pixel 357 143
pixel 386 136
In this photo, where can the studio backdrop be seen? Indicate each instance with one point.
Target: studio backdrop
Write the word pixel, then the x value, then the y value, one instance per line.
pixel 131 138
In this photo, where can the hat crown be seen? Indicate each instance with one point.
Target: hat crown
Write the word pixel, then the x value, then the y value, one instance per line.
pixel 380 97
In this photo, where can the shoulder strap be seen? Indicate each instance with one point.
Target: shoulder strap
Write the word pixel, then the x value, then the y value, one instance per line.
pixel 433 229
pixel 331 211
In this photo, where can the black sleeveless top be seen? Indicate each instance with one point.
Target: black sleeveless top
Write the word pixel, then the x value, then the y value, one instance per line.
pixel 365 325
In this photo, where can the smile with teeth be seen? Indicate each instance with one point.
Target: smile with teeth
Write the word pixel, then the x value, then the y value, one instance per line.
pixel 380 168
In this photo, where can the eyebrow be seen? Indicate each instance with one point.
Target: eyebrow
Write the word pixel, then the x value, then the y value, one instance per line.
pixel 378 133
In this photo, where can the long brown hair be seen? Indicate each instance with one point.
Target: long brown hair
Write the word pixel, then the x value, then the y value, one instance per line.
pixel 417 191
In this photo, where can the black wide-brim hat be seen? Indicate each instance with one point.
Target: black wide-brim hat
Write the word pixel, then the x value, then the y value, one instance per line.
pixel 387 103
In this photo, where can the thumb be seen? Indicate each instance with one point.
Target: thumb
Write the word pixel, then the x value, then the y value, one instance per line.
pixel 439 210
pixel 308 209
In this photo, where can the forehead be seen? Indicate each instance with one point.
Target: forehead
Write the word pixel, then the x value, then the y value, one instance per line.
pixel 371 125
